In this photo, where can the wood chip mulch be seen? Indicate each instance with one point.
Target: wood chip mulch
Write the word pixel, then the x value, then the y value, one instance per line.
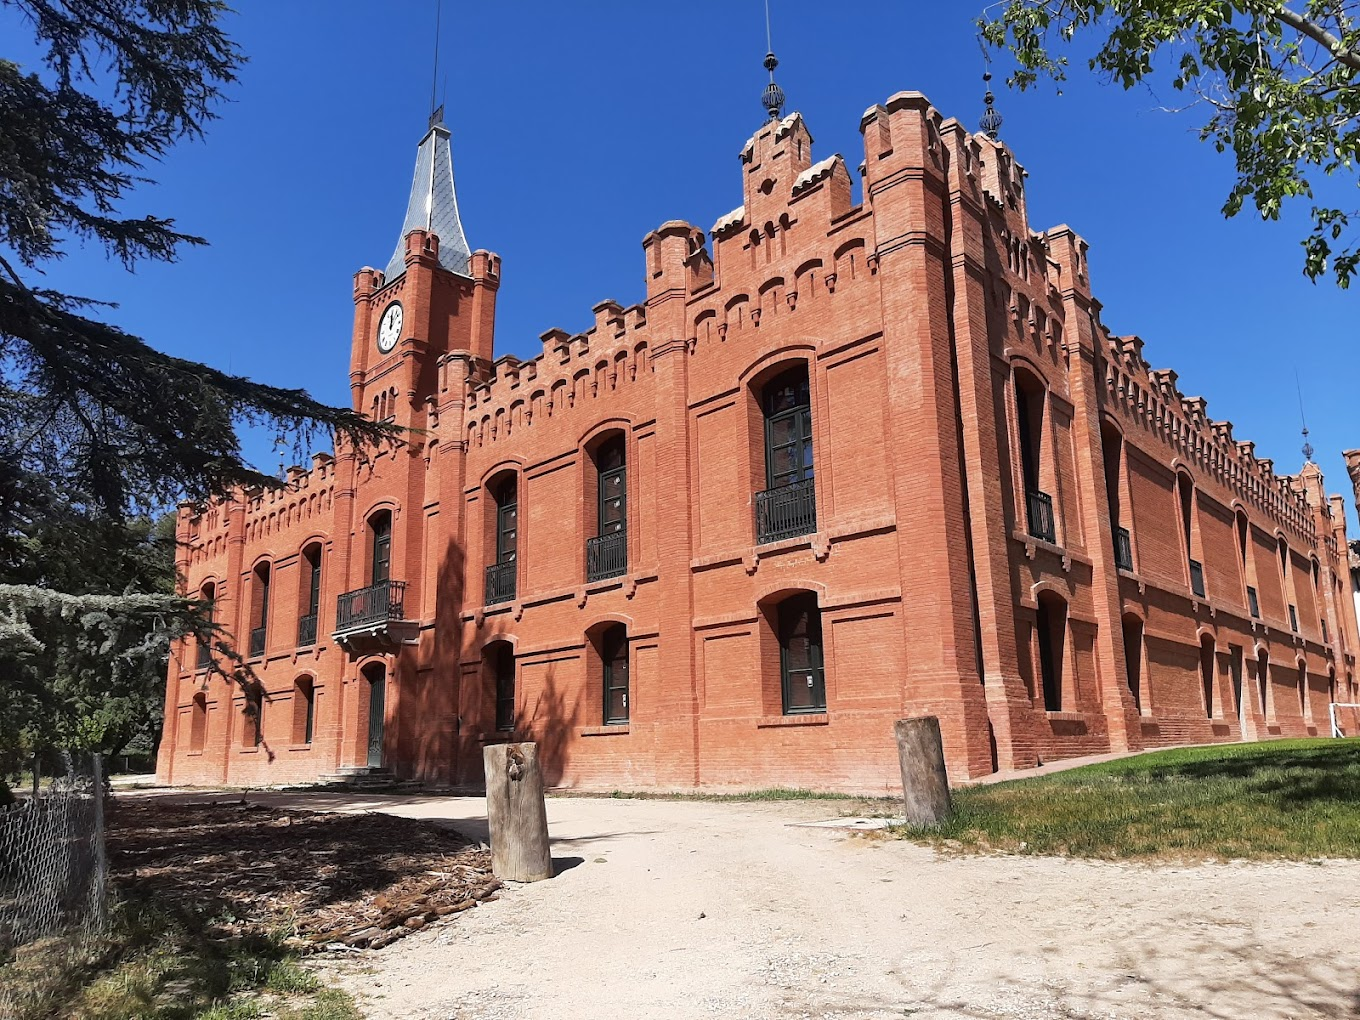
pixel 354 880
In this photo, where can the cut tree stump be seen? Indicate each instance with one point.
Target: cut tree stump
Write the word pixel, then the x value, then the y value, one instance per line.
pixel 925 785
pixel 516 813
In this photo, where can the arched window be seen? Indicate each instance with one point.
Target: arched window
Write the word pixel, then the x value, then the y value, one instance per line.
pixel 1206 673
pixel 375 673
pixel 252 717
pixel 501 574
pixel 304 710
pixel 198 722
pixel 1243 539
pixel 607 552
pixel 1050 625
pixel 311 601
pixel 500 658
pixel 1185 491
pixel 788 506
pixel 614 657
pixel 798 625
pixel 380 546
pixel 1030 404
pixel 1112 449
pixel 1133 658
pixel 260 609
pixel 208 596
pixel 1263 681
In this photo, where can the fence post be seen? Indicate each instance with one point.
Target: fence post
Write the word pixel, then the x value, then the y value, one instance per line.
pixel 101 862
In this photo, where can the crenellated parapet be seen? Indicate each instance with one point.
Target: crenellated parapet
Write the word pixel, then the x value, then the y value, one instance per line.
pixel 1150 400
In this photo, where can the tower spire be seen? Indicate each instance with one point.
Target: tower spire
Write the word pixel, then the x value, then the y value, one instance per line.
pixel 773 96
pixel 436 113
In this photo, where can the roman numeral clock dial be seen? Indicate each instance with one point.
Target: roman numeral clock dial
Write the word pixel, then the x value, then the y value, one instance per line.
pixel 389 328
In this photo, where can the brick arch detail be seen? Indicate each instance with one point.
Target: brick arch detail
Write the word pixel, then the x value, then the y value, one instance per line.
pixel 771 590
pixel 614 424
pixel 512 463
pixel 771 361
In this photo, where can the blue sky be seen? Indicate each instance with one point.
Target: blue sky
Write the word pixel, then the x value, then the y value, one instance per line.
pixel 577 127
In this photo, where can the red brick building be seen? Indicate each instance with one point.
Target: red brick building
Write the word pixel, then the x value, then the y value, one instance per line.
pixel 841 463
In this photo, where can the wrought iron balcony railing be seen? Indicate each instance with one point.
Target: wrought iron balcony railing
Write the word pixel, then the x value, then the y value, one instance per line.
pixel 307 630
pixel 607 556
pixel 257 642
pixel 1197 578
pixel 1123 549
pixel 1040 508
pixel 365 607
pixel 500 583
pixel 786 511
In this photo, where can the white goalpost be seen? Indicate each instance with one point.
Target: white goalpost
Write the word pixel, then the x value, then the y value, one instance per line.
pixel 1336 722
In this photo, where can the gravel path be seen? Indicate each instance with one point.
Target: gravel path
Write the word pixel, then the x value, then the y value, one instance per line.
pixel 682 910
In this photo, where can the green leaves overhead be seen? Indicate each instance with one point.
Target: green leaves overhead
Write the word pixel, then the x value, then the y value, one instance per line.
pixel 1278 83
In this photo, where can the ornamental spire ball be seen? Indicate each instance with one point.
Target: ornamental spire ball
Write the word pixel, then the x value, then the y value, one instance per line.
pixel 773 96
pixel 991 120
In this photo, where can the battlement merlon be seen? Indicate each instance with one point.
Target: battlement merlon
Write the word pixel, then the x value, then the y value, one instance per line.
pixel 677 264
pixel 772 160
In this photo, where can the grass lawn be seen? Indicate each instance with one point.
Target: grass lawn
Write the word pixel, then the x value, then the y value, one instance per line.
pixel 1294 799
pixel 162 962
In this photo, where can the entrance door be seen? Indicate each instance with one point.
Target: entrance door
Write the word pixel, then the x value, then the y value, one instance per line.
pixel 377 699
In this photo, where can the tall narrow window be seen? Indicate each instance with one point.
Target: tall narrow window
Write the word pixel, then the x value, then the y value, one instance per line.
pixel 788 506
pixel 1112 444
pixel 1305 709
pixel 1186 491
pixel 198 722
pixel 501 574
pixel 208 596
pixel 252 713
pixel 1206 673
pixel 1051 625
pixel 311 561
pixel 614 653
pixel 1133 658
pixel 1235 669
pixel 260 624
pixel 607 552
pixel 1029 413
pixel 304 710
pixel 503 664
pixel 380 527
pixel 803 678
pixel 1263 681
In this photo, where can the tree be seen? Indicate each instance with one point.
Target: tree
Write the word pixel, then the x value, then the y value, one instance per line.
pixel 1280 82
pixel 99 431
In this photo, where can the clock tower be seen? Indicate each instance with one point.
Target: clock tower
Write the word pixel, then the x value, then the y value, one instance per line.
pixel 435 297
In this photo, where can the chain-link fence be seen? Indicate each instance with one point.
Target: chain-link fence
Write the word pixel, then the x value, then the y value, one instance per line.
pixel 53 870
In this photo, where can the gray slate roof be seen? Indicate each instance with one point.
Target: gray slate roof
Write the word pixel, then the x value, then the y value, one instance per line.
pixel 433 206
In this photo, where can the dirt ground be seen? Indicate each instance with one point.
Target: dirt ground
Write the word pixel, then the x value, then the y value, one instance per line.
pixel 685 910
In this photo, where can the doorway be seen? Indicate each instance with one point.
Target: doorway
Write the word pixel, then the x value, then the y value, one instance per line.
pixel 376 676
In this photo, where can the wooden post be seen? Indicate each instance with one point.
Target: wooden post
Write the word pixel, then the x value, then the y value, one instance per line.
pixel 516 813
pixel 925 785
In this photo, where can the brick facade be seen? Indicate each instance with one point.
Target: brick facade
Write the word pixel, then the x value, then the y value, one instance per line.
pixel 980 442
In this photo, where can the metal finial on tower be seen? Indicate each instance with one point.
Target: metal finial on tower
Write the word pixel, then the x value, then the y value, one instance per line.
pixel 991 120
pixel 773 96
pixel 436 113
pixel 1307 446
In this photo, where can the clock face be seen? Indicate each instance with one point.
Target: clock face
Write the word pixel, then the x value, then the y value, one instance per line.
pixel 389 327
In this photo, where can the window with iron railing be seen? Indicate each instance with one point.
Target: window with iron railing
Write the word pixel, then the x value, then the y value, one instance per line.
pixel 1039 506
pixel 607 551
pixel 501 575
pixel 786 512
pixel 607 556
pixel 1197 578
pixel 373 604
pixel 788 505
pixel 257 642
pixel 1123 549
pixel 306 630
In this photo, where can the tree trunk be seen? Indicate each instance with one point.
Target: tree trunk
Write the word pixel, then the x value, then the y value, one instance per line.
pixel 925 785
pixel 516 813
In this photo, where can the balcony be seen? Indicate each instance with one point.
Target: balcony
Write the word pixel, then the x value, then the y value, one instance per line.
pixel 372 618
pixel 1252 603
pixel 500 583
pixel 1040 508
pixel 1123 549
pixel 785 512
pixel 607 556
pixel 257 642
pixel 1197 578
pixel 307 631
